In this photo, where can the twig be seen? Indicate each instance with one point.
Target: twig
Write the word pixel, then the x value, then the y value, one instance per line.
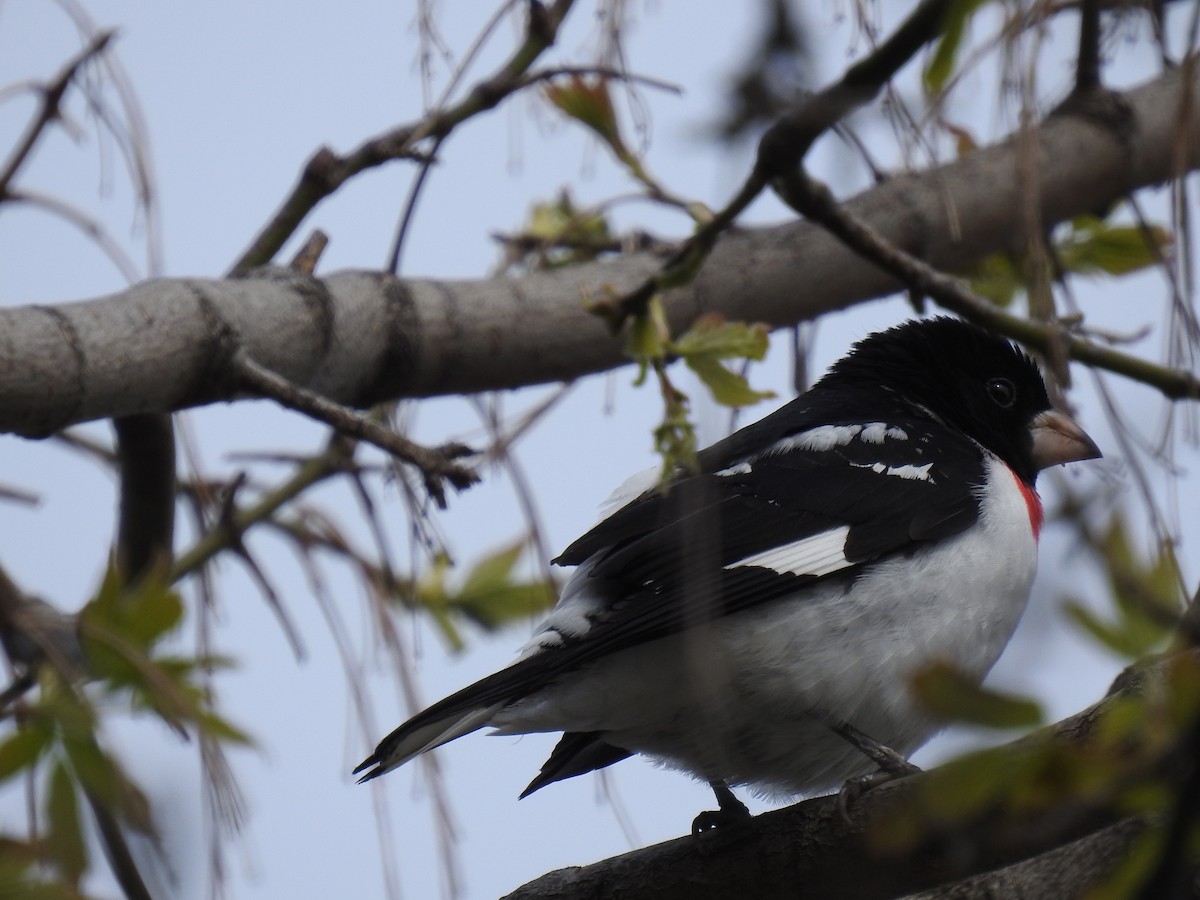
pixel 52 95
pixel 436 464
pixel 326 171
pixel 815 201
pixel 782 148
pixel 313 471
pixel 11 494
pixel 229 525
pixel 418 183
pixel 306 258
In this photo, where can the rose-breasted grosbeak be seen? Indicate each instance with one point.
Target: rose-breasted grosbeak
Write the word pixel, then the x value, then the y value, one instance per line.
pixel 758 622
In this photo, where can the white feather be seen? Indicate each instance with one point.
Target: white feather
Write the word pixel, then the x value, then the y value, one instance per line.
pixel 820 554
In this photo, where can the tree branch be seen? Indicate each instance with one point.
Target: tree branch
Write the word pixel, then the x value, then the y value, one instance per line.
pixel 810 850
pixel 815 201
pixel 50 110
pixel 436 465
pixel 359 338
pixel 325 172
pixel 782 148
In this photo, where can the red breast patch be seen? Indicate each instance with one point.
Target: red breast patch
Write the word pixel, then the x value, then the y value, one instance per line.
pixel 1033 503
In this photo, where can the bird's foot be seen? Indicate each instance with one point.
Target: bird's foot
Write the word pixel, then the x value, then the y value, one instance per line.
pixel 892 766
pixel 887 759
pixel 730 810
pixel 853 790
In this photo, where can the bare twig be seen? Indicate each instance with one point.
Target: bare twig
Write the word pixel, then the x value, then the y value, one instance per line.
pixel 815 201
pixel 49 110
pixel 306 258
pixel 782 148
pixel 229 525
pixel 326 171
pixel 436 464
pixel 334 460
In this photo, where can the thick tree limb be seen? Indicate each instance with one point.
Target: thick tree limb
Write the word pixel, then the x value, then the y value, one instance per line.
pixel 809 850
pixel 360 337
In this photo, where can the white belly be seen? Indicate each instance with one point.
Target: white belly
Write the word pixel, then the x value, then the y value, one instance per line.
pixel 742 700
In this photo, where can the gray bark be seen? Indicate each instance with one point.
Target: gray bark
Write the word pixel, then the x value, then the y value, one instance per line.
pixel 362 337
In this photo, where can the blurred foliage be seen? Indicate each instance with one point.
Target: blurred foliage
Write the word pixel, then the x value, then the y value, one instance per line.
pixel 1147 601
pixel 944 57
pixel 489 595
pixel 119 630
pixel 1125 767
pixel 1086 245
pixel 953 697
pixel 557 234
pixel 775 71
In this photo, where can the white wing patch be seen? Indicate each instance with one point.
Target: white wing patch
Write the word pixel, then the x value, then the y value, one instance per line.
pixel 818 554
pixel 823 437
pixel 878 432
pixel 909 471
pixel 742 468
pixel 826 437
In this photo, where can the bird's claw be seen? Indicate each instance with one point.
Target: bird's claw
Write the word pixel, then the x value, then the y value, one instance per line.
pixel 853 789
pixel 731 811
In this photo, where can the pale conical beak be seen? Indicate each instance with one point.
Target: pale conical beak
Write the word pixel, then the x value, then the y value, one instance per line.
pixel 1057 439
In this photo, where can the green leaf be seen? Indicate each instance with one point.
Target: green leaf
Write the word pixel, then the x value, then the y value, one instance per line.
pixel 107 784
pixel 997 278
pixel 493 572
pixel 17 883
pixel 727 387
pixel 951 696
pixel 945 52
pixel 589 102
pixel 1095 247
pixel 22 749
pixel 1146 596
pixel 712 339
pixel 711 335
pixel 141 614
pixel 505 605
pixel 566 234
pixel 490 595
pixel 221 729
pixel 65 836
pixel 493 598
pixel 1127 640
pixel 648 334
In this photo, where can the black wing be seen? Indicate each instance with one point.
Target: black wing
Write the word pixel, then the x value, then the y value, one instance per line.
pixel 673 559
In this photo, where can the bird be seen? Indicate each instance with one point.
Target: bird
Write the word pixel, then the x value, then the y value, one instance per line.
pixel 757 621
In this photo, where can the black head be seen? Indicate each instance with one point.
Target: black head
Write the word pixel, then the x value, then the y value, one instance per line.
pixel 963 375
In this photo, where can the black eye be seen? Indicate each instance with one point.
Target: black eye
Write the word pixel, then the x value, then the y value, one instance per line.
pixel 1002 392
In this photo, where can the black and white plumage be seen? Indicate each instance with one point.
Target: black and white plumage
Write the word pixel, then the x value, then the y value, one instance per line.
pixel 883 520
